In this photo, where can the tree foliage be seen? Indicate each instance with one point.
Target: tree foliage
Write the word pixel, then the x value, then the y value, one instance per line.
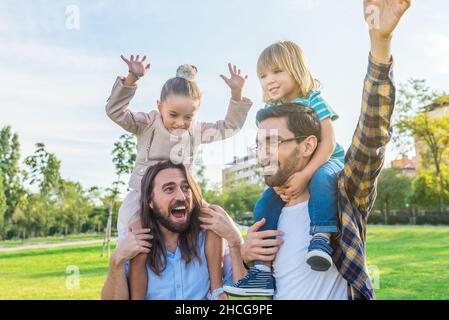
pixel 44 170
pixel 11 177
pixel 59 206
pixel 425 187
pixel 414 123
pixel 393 191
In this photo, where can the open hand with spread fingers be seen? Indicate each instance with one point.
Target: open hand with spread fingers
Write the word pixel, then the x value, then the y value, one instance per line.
pixel 257 247
pixel 136 67
pixel 133 243
pixel 235 82
pixel 383 16
pixel 216 219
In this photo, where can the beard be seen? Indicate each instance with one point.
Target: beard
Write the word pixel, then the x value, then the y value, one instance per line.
pixel 284 172
pixel 167 223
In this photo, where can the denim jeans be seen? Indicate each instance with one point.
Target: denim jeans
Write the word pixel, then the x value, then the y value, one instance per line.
pixel 322 203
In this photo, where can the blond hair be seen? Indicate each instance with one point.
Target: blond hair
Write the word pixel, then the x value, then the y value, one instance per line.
pixel 288 56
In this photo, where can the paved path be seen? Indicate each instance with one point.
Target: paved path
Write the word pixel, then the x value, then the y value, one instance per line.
pixel 51 245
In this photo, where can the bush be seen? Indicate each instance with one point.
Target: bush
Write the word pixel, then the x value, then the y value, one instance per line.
pixel 376 218
pixel 399 219
pixel 54 230
pixel 433 219
pixel 406 218
pixel 379 218
pixel 11 234
pixel 88 227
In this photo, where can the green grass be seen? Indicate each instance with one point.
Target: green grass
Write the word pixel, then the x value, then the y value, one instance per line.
pixel 41 273
pixel 413 263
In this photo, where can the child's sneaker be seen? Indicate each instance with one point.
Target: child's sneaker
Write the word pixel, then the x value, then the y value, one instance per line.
pixel 319 255
pixel 255 283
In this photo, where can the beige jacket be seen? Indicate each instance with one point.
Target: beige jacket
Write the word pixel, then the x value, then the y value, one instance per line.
pixel 155 143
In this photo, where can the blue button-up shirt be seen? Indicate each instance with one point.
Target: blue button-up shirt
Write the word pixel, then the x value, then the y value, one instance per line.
pixel 184 282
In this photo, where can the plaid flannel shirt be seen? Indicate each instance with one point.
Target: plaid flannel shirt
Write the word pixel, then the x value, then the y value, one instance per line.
pixel 357 181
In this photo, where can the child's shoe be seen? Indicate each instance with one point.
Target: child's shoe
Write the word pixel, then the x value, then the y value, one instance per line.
pixel 319 255
pixel 255 283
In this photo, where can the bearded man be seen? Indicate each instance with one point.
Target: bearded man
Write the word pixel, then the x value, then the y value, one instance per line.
pixel 177 267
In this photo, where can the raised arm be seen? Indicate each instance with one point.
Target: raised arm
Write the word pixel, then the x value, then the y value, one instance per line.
pixel 230 126
pixel 122 93
pixel 366 155
pixel 237 110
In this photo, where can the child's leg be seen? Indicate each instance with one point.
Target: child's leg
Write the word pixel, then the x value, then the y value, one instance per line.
pixel 259 280
pixel 269 206
pixel 323 207
pixel 214 250
pixel 323 210
pixel 137 274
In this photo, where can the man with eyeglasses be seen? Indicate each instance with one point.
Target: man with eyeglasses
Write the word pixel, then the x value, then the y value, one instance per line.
pixel 287 138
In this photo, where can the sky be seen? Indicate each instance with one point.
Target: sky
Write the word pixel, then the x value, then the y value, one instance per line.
pixel 56 74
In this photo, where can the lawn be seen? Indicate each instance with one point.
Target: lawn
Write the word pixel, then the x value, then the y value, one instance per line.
pixel 412 263
pixel 42 273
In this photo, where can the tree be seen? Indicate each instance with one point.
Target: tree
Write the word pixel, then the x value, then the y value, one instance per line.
pixel 73 207
pixel 393 191
pixel 31 217
pixel 123 158
pixel 97 215
pixel 44 172
pixel 414 122
pixel 59 206
pixel 241 198
pixel 426 188
pixel 434 132
pixel 3 206
pixel 238 199
pixel 11 176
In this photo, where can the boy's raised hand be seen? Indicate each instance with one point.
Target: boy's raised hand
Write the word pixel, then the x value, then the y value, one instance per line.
pixel 383 16
pixel 136 68
pixel 236 82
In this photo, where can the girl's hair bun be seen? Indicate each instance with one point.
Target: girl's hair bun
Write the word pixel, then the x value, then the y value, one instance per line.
pixel 187 71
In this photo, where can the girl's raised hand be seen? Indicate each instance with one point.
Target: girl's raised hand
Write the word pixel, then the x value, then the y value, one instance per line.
pixel 136 66
pixel 235 82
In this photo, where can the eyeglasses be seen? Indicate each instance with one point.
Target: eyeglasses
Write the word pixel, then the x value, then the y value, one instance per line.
pixel 273 143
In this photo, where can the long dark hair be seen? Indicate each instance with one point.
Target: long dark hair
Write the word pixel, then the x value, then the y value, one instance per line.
pixel 188 239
